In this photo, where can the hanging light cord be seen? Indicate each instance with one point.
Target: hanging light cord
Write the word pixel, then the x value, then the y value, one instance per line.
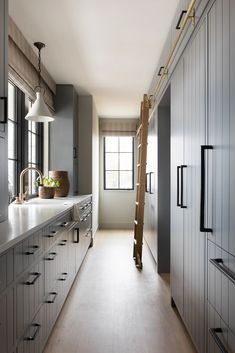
pixel 39 67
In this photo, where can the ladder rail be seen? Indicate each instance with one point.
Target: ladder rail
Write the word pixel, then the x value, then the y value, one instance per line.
pixel 142 134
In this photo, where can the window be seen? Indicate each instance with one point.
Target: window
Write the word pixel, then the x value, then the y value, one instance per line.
pixel 24 141
pixel 119 163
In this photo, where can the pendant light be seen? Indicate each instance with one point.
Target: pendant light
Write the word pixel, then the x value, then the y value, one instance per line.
pixel 39 112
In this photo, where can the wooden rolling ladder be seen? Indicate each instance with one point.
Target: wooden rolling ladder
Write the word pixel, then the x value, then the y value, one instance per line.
pixel 142 134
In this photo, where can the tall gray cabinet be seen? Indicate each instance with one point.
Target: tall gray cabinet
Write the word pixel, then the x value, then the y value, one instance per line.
pixel 3 108
pixel 202 182
pixel 188 109
pixel 64 135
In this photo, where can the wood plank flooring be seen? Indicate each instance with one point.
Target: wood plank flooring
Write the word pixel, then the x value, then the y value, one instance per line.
pixel 114 308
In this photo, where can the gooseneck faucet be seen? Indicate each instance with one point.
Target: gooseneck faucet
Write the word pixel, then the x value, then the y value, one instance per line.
pixel 21 194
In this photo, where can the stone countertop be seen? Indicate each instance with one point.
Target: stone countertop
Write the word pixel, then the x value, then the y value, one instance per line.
pixel 31 216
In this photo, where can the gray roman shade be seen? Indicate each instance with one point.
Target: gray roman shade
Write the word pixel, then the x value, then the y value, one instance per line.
pixel 118 127
pixel 22 62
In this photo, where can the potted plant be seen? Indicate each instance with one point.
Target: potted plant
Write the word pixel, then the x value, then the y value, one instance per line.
pixel 47 190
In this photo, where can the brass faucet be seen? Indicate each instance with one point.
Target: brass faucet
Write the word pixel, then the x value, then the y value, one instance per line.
pixel 21 194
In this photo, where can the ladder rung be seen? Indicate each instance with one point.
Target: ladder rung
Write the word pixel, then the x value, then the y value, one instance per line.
pixel 139 128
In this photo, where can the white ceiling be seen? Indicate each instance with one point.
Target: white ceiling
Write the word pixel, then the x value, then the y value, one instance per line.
pixel 107 48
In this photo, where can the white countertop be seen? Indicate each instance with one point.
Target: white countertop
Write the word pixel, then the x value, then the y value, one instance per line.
pixel 31 216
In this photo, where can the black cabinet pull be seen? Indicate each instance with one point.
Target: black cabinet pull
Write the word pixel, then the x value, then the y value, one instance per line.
pixel 160 72
pixel 52 234
pixel 178 186
pixel 146 182
pixel 64 274
pixel 180 19
pixel 76 240
pixel 5 113
pixel 51 257
pixel 150 183
pixel 64 224
pixel 33 251
pixel 219 264
pixel 214 333
pixel 36 276
pixel 37 328
pixel 203 182
pixel 182 186
pixel 52 301
pixel 63 243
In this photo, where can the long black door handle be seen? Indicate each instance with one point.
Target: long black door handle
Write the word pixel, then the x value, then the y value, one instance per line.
pixel 180 19
pixel 5 113
pixel 203 183
pixel 146 182
pixel 161 70
pixel 219 264
pixel 214 333
pixel 182 186
pixel 150 182
pixel 178 186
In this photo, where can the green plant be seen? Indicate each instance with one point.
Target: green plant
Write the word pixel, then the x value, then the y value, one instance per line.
pixel 47 182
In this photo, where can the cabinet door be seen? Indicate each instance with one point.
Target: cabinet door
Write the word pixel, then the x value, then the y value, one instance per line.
pixel 194 137
pixel 3 63
pixel 7 321
pixel 176 161
pixel 219 124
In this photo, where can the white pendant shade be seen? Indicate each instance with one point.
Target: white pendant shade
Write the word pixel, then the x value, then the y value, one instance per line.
pixel 39 112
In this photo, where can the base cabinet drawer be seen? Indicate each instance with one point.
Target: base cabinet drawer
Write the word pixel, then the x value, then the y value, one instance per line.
pixel 34 338
pixel 220 337
pixel 29 296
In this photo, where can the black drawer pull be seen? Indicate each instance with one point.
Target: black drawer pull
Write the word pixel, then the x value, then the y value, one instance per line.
pixel 37 328
pixel 214 333
pixel 5 113
pixel 161 71
pixel 52 301
pixel 32 252
pixel 182 186
pixel 52 234
pixel 64 274
pixel 180 19
pixel 63 242
pixel 36 276
pixel 52 256
pixel 219 264
pixel 203 184
pixel 64 224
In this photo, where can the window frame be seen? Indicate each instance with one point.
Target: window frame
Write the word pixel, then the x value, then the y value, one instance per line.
pixel 119 170
pixel 21 136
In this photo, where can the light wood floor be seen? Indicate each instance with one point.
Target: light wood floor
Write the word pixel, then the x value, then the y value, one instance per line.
pixel 114 308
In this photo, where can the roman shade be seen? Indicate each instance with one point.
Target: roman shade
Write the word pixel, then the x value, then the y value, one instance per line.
pixel 23 63
pixel 118 127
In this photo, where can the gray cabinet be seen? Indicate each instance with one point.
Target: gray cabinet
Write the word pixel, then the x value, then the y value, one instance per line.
pixel 188 134
pixel 64 132
pixel 3 109
pixel 36 276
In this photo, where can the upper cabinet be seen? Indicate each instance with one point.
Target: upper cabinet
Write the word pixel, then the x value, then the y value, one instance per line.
pixel 3 109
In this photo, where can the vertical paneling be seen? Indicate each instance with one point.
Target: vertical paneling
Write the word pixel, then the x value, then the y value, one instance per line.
pixel 194 137
pixel 232 129
pixel 177 97
pixel 219 121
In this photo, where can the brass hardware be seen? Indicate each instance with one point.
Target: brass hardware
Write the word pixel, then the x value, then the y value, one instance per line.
pixel 21 194
pixel 190 15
